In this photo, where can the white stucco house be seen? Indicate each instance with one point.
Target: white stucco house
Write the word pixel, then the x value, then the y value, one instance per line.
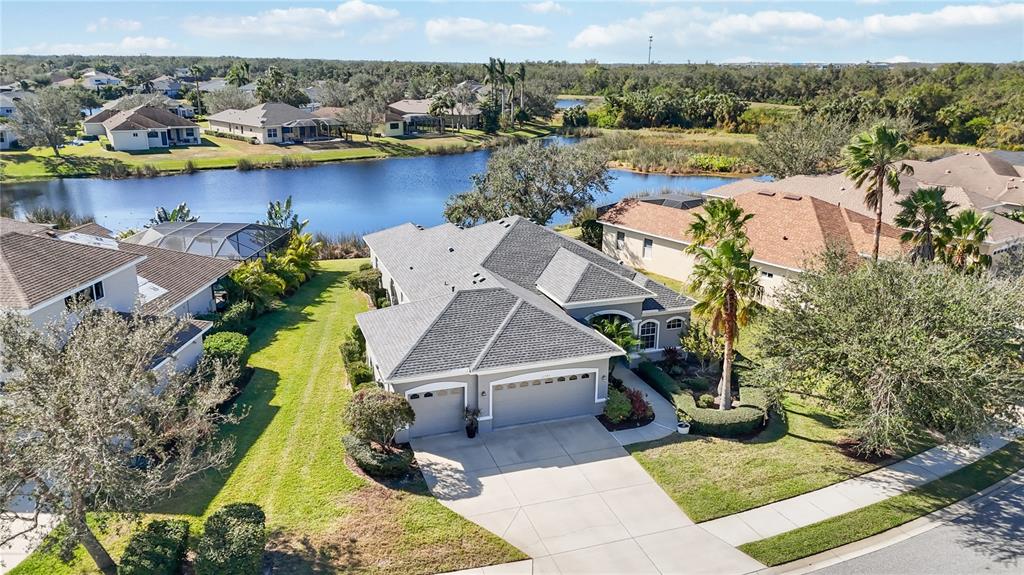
pixel 785 232
pixel 43 270
pixel 497 318
pixel 92 79
pixel 142 128
pixel 272 123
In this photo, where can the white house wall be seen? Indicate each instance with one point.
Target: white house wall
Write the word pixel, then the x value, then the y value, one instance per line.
pixel 130 141
pixel 200 303
pixel 94 129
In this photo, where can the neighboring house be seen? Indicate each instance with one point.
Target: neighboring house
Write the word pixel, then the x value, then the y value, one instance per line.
pixel 7 100
pixel 394 124
pixel 497 317
pixel 272 123
pixel 8 137
pixel 92 79
pixel 415 115
pixel 177 107
pixel 167 85
pixel 975 180
pixel 236 242
pixel 217 84
pixel 42 271
pixel 142 128
pixel 784 233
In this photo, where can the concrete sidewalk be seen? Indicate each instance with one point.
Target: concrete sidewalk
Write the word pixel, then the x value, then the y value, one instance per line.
pixel 849 495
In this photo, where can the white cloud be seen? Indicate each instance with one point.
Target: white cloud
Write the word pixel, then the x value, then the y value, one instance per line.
pixel 548 7
pixel 389 32
pixel 129 45
pixel 779 28
pixel 899 59
pixel 120 24
pixel 291 21
pixel 441 30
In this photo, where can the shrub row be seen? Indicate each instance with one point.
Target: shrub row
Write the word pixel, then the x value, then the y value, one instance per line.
pixel 658 379
pixel 228 346
pixel 353 355
pixel 158 549
pixel 233 541
pixel 231 136
pixel 377 463
pixel 748 417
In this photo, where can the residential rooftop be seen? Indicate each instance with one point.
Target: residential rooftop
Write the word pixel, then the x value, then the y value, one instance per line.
pixel 145 118
pixel 262 115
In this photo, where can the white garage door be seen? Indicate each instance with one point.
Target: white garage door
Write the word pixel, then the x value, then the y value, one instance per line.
pixel 543 398
pixel 437 411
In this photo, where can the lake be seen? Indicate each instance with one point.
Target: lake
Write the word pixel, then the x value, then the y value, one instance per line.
pixel 354 196
pixel 563 103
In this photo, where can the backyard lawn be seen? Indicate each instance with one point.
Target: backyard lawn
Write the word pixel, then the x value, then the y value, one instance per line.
pixel 290 460
pixel 711 478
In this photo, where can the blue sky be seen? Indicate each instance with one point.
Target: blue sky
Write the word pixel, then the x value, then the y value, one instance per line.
pixel 854 31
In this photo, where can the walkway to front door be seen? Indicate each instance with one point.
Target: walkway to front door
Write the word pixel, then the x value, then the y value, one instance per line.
pixel 568 495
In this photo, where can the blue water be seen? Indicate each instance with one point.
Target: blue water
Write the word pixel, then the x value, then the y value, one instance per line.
pixel 354 196
pixel 564 103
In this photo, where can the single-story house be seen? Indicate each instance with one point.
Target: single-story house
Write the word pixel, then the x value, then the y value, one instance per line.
pixel 142 128
pixel 498 317
pixel 167 85
pixel 237 242
pixel 8 137
pixel 7 100
pixel 416 115
pixel 785 232
pixel 217 84
pixel 973 180
pixel 92 79
pixel 272 123
pixel 43 270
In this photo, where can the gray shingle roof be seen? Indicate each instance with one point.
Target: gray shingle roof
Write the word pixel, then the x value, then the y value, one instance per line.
pixel 472 329
pixel 34 269
pixel 570 278
pixel 262 115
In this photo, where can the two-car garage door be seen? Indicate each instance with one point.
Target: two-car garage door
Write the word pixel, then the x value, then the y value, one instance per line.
pixel 541 398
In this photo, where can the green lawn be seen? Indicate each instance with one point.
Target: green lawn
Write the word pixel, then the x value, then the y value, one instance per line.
pixel 290 460
pixel 874 519
pixel 710 477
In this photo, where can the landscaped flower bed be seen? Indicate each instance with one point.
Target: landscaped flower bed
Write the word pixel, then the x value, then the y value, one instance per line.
pixel 625 408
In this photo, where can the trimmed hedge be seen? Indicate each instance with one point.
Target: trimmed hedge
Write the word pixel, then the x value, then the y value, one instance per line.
pixel 233 541
pixel 377 463
pixel 158 549
pixel 748 417
pixel 228 346
pixel 236 317
pixel 230 136
pixel 658 379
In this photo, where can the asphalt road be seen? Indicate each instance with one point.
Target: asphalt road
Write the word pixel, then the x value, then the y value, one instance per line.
pixel 989 540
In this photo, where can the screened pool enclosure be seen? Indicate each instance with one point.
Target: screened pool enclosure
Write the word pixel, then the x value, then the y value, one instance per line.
pixel 221 240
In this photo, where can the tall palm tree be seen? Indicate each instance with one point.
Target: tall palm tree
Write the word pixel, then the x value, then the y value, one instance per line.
pixel 962 240
pixel 520 75
pixel 511 81
pixel 197 72
pixel 238 75
pixel 925 215
pixel 721 219
pixel 501 73
pixel 491 77
pixel 727 290
pixel 873 157
pixel 620 332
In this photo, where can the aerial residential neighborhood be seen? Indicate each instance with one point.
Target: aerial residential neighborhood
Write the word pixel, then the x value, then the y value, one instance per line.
pixel 522 288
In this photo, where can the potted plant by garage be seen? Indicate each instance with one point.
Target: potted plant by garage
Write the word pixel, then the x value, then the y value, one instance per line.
pixel 472 424
pixel 683 427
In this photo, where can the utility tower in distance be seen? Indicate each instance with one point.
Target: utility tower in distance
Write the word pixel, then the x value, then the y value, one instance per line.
pixel 650 41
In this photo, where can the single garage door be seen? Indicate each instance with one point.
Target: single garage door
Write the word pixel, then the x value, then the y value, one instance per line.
pixel 542 399
pixel 437 411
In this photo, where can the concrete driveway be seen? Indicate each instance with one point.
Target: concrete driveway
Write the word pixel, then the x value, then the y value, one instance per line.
pixel 567 494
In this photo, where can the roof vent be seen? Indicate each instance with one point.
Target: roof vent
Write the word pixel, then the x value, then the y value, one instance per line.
pixel 482 280
pixel 410 267
pixel 766 193
pixel 842 188
pixel 785 237
pixel 949 171
pixel 792 197
pixel 451 249
pixel 501 222
pixel 476 275
pixel 453 289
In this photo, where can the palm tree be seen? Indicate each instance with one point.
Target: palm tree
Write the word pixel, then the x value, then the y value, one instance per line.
pixel 520 75
pixel 238 74
pixel 727 291
pixel 721 220
pixel 510 96
pixel 501 73
pixel 491 76
pixel 620 332
pixel 441 104
pixel 196 72
pixel 962 239
pixel 925 215
pixel 872 157
pixel 181 213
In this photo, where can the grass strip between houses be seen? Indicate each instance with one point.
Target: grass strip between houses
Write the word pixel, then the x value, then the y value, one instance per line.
pixel 891 513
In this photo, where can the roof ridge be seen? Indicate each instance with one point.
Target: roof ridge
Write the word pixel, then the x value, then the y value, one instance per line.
pixel 412 348
pixel 497 333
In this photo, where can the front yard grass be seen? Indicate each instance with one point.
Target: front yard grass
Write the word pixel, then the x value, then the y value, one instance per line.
pixel 290 460
pixel 710 478
pixel 885 515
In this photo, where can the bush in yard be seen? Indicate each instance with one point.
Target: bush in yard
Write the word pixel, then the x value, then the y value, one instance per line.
pixel 229 346
pixel 158 549
pixel 744 419
pixel 639 406
pixel 658 379
pixel 233 541
pixel 706 401
pixel 359 373
pixel 236 317
pixel 351 352
pixel 386 463
pixel 375 416
pixel 617 407
pixel 367 281
pixel 365 266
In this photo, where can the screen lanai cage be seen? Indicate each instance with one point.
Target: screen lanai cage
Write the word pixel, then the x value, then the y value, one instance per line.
pixel 238 242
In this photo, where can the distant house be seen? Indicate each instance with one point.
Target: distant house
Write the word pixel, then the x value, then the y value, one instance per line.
pixel 415 116
pixel 178 107
pixel 7 100
pixel 218 84
pixel 142 128
pixel 272 123
pixel 8 138
pixel 93 79
pixel 166 85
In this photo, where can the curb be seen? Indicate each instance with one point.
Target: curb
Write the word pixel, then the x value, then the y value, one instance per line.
pixel 894 535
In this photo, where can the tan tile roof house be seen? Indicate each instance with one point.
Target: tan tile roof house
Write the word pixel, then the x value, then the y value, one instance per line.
pixel 497 317
pixel 142 128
